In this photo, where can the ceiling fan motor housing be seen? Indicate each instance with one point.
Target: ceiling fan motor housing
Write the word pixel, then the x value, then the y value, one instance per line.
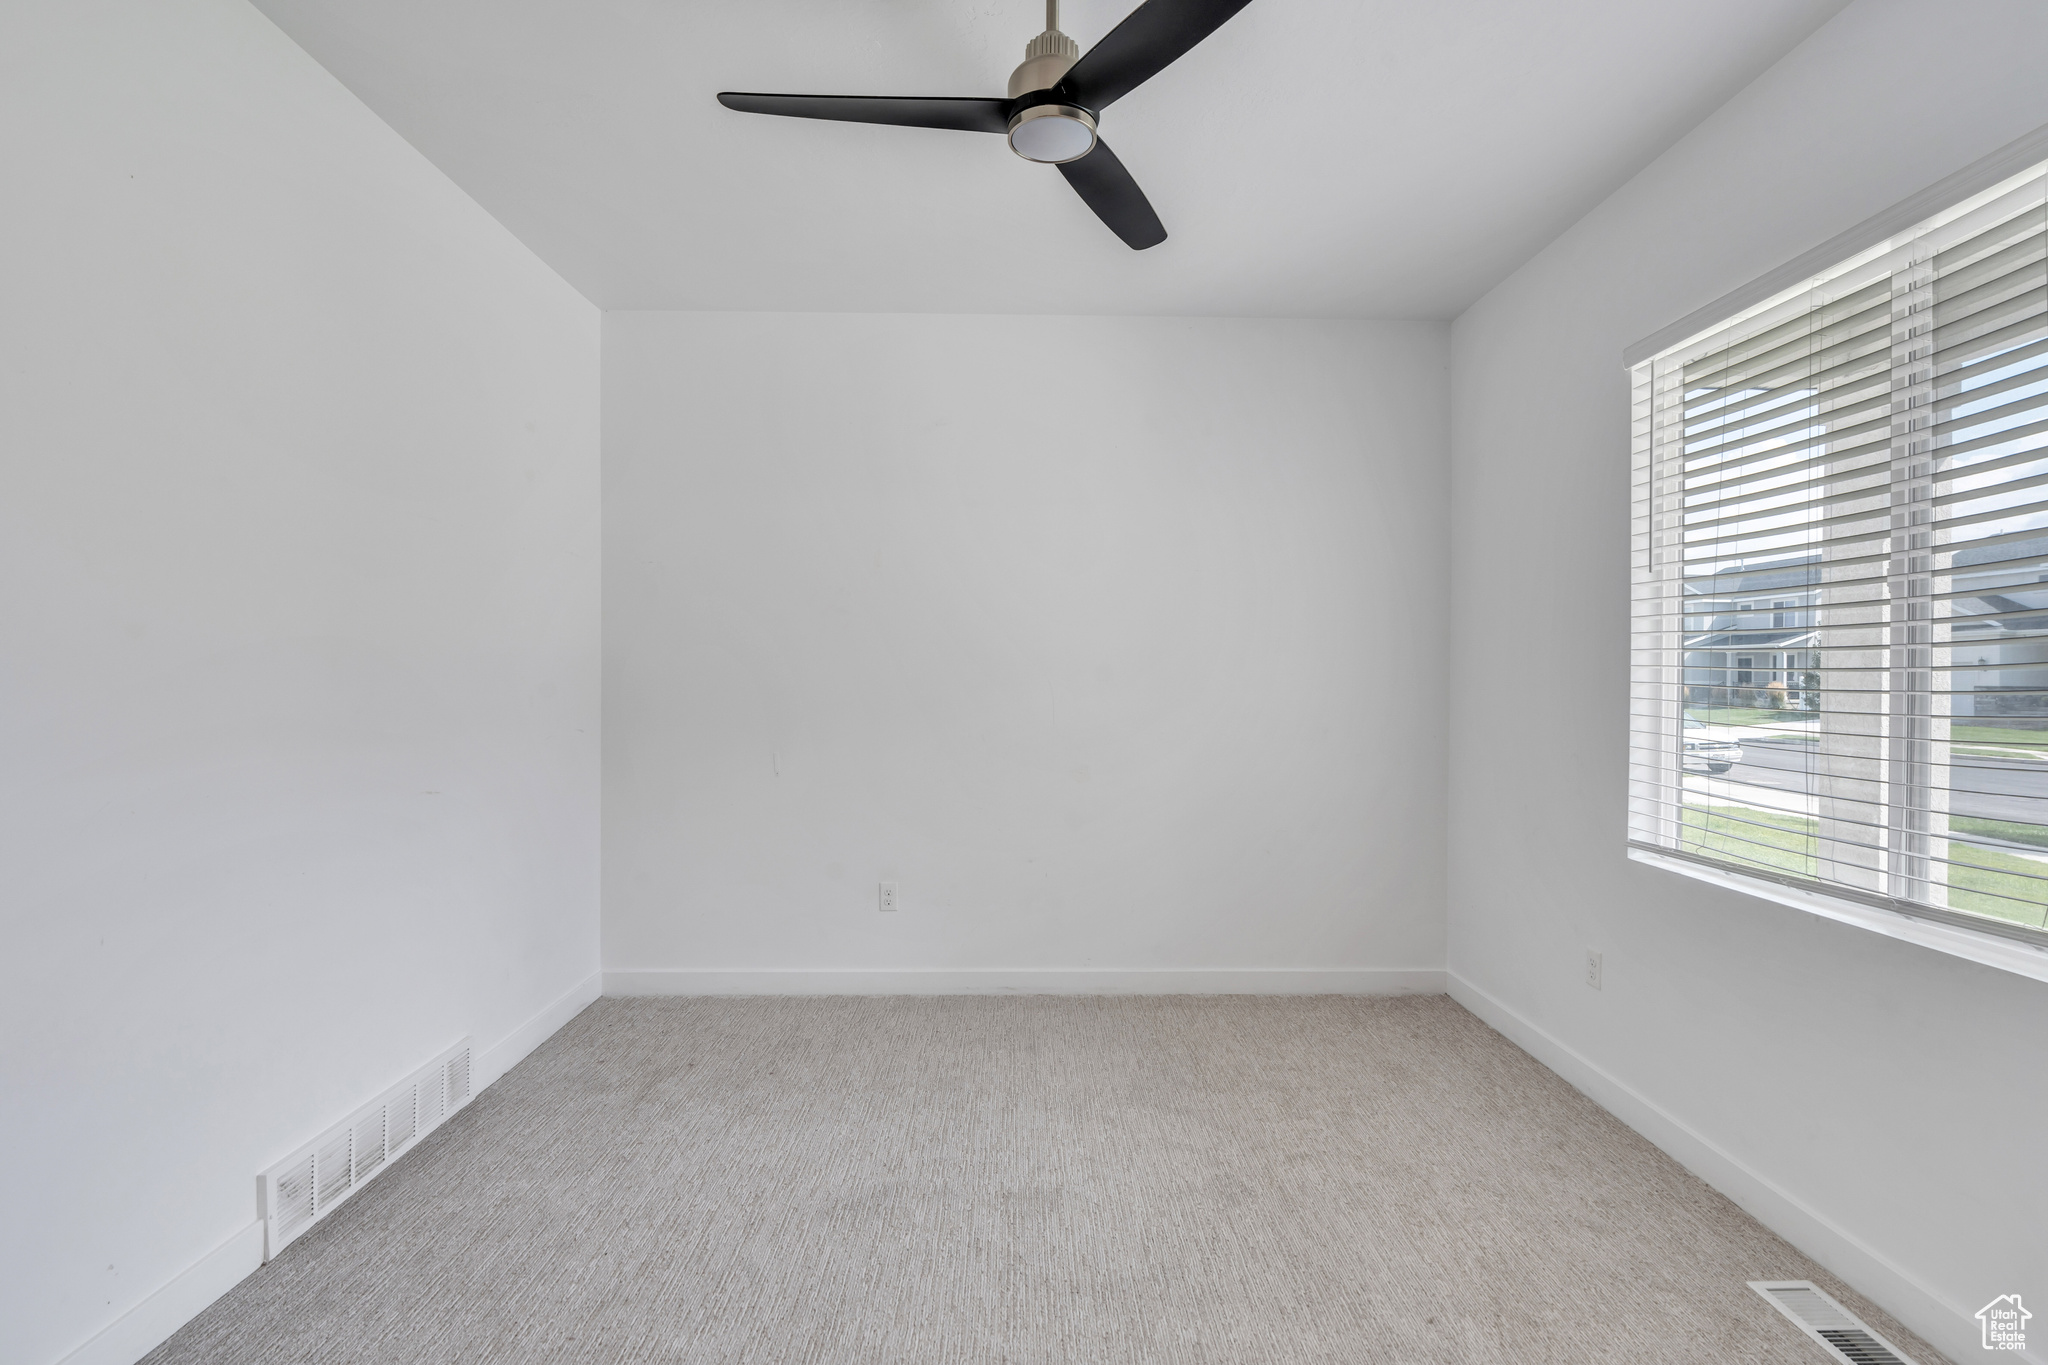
pixel 1047 129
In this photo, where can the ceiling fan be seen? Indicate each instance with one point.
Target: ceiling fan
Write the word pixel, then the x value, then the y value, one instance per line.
pixel 1055 99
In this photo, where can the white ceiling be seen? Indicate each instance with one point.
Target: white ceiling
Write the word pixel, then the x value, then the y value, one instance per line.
pixel 1313 157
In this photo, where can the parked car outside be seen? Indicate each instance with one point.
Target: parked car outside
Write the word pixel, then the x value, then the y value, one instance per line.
pixel 1708 750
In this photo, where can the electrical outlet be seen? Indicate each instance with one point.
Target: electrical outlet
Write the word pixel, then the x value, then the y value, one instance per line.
pixel 1592 969
pixel 888 895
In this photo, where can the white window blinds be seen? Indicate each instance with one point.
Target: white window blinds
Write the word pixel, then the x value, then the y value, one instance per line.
pixel 1840 565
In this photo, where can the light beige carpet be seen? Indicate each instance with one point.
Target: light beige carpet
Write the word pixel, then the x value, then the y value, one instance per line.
pixel 1232 1179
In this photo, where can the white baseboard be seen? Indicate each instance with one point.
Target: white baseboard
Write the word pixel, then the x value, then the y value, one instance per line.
pixel 1948 1326
pixel 512 1049
pixel 150 1323
pixel 1030 981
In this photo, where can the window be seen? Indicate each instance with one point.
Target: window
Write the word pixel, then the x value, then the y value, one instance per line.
pixel 1866 456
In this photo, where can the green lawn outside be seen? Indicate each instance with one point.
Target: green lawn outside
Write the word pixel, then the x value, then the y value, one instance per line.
pixel 2022 733
pixel 1990 871
pixel 1985 881
pixel 2011 831
pixel 2029 736
pixel 1784 843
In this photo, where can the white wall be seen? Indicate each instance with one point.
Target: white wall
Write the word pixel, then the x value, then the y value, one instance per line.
pixel 1114 641
pixel 298 575
pixel 1880 1103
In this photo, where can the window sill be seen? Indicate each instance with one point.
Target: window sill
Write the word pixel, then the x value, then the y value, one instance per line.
pixel 2007 955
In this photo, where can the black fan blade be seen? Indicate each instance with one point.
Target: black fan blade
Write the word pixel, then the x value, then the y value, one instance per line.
pixel 1151 38
pixel 967 115
pixel 1105 186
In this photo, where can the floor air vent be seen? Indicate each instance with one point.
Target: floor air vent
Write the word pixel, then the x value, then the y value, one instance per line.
pixel 300 1190
pixel 1830 1324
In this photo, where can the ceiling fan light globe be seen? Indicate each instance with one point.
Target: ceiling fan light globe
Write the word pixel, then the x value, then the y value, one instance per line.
pixel 1052 133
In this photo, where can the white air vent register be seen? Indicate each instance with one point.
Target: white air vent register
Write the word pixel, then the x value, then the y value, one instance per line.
pixel 307 1185
pixel 1841 1332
